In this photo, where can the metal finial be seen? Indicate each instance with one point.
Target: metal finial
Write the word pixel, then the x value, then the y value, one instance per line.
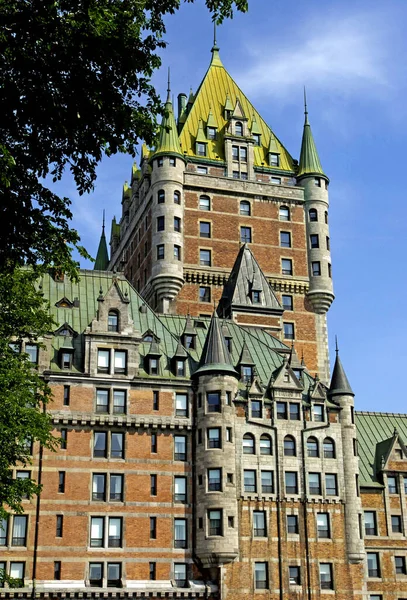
pixel 103 222
pixel 305 102
pixel 214 33
pixel 169 86
pixel 336 345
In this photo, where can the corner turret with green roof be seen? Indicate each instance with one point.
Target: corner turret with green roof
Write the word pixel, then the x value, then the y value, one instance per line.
pixel 215 357
pixel 168 140
pixel 309 159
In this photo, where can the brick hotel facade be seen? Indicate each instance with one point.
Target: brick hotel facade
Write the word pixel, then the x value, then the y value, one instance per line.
pixel 209 455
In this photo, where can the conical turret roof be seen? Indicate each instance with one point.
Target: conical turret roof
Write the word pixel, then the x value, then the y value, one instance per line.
pixel 339 382
pixel 215 356
pixel 309 159
pixel 102 256
pixel 168 140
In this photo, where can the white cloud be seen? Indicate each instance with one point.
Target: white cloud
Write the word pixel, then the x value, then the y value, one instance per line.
pixel 332 54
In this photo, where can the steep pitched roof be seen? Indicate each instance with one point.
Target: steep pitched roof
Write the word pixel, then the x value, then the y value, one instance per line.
pixel 102 256
pixel 246 276
pixel 217 91
pixel 339 382
pixel 309 159
pixel 168 141
pixel 215 356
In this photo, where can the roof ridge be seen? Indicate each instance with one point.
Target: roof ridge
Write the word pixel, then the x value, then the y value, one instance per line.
pixel 381 414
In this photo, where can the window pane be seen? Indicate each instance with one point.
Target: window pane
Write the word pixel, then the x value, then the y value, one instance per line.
pixel 96 532
pixel 115 532
pixel 99 447
pixel 102 401
pixel 103 359
pixel 117 449
pixel 116 487
pixel 98 486
pixel 119 401
pixel 267 482
pixel 119 361
pixel 249 480
pixel 181 405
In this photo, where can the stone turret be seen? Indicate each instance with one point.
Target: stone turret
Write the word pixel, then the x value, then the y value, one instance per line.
pixel 217 512
pixel 341 393
pixel 167 175
pixel 312 178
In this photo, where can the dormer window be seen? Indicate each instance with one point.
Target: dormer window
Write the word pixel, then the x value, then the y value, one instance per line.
pixel 256 297
pixel 153 366
pixel 274 159
pixel 211 133
pixel 180 367
pixel 256 138
pixel 247 373
pixel 201 149
pixel 189 341
pixel 238 128
pixel 66 360
pixel 113 321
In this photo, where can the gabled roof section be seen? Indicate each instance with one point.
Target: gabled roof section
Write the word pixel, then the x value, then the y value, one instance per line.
pixel 245 277
pixel 215 357
pixel 245 356
pixel 284 378
pixel 217 91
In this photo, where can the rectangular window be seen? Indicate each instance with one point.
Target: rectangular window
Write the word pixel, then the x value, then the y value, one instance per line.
pixel 180 447
pixel 204 229
pixel 373 565
pixel 400 564
pixel 67 395
pixel 259 523
pixel 317 412
pixel 243 154
pixel 153 528
pixel 246 235
pixel 116 488
pixel 256 407
pixel 115 532
pixel 57 570
pixel 292 524
pixel 160 252
pixel 235 152
pixel 214 480
pixel 249 480
pixel 119 402
pixel 64 439
pixel 331 486
pixel 103 361
pixel 96 574
pixel 370 523
pixel 99 487
pixel 153 485
pixel 152 571
pixel 316 268
pixel 281 410
pixel 117 445
pixel 114 575
pixel 214 437
pixel 289 331
pixel 61 482
pixel 102 401
pixel 59 528
pixel 287 301
pixel 180 533
pixel 205 258
pixel 202 170
pixel 180 489
pixel 294 411
pixel 120 362
pixel 291 482
pixel 314 240
pixel 100 444
pixel 285 239
pixel 275 180
pixel 215 522
pixel 17 571
pixel 392 484
pixel 325 576
pixel 204 203
pixel 32 351
pixel 180 575
pixel 211 133
pixel 177 252
pixel 396 524
pixel 213 402
pixel 267 482
pixel 204 294
pixel 173 161
pixel 286 266
pixel 156 400
pixel 261 576
pixel 201 149
pixel 181 405
pixel 160 223
pixel 323 525
pixel 19 533
pixel 97 525
pixel 294 575
pixel 274 159
pixel 314 482
pixel 153 439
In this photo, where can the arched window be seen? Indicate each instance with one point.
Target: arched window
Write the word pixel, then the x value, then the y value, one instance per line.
pixel 177 197
pixel 289 446
pixel 265 444
pixel 329 448
pixel 113 321
pixel 284 213
pixel 238 128
pixel 312 447
pixel 313 214
pixel 161 197
pixel 248 443
pixel 245 208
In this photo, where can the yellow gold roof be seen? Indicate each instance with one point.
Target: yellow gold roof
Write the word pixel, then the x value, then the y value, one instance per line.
pixel 216 86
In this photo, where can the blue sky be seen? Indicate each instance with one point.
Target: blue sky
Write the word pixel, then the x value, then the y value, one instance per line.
pixel 352 57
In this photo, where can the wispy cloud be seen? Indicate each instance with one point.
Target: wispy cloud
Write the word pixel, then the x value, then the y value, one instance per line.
pixel 334 54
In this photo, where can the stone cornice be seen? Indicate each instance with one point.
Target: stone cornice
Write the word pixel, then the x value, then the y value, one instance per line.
pixel 123 421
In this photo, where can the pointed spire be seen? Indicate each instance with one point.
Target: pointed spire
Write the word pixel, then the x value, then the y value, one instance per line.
pixel 339 382
pixel 200 136
pixel 309 159
pixel 245 356
pixel 255 129
pixel 216 61
pixel 102 256
pixel 168 141
pixel 215 357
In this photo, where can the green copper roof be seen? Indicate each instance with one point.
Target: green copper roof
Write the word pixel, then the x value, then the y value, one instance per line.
pixel 200 136
pixel 102 256
pixel 309 159
pixel 215 356
pixel 168 141
pixel 211 122
pixel 255 128
pixel 339 382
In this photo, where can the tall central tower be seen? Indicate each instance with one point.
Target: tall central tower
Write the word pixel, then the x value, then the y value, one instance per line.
pixel 219 178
